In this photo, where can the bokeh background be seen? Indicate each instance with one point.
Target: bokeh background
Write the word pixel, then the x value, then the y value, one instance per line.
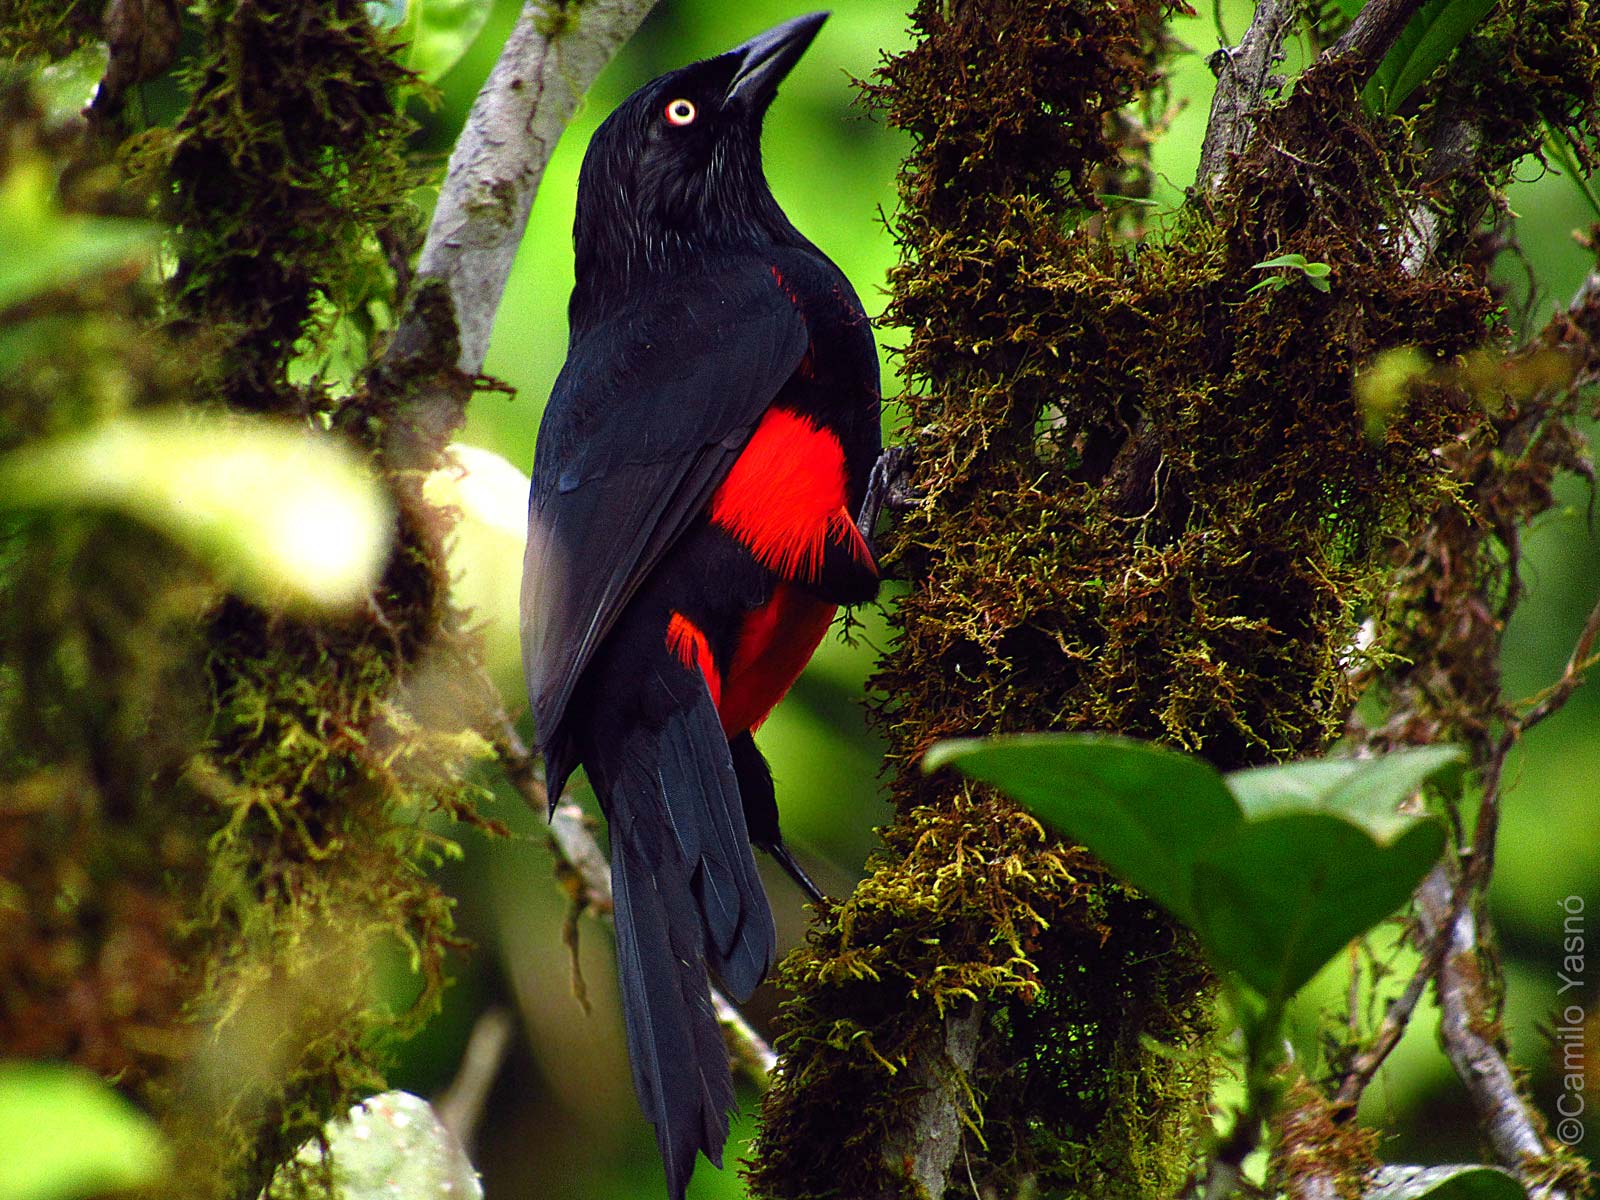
pixel 561 1120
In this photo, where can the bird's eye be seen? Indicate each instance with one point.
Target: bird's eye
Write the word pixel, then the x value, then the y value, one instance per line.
pixel 680 112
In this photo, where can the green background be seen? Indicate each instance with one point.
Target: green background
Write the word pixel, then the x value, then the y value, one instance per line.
pixel 561 1119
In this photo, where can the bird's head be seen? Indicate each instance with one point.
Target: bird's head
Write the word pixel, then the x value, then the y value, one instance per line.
pixel 676 169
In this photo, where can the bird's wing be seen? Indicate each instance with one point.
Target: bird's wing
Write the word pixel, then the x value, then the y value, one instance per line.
pixel 644 422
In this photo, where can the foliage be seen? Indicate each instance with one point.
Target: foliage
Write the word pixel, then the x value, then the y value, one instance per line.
pixel 64 1134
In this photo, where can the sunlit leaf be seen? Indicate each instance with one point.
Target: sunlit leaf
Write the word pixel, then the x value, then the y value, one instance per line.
pixel 1459 1182
pixel 1276 869
pixel 1366 791
pixel 1144 811
pixel 287 517
pixel 64 1133
pixel 393 1147
pixel 45 247
pixel 486 553
pixel 68 84
pixel 1429 38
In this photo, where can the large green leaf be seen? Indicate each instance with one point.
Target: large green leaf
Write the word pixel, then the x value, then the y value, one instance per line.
pixel 1279 896
pixel 1145 811
pixel 1429 38
pixel 436 33
pixel 288 517
pixel 1275 868
pixel 1458 1182
pixel 64 1133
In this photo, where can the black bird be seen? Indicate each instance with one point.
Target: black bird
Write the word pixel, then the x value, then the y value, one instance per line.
pixel 701 468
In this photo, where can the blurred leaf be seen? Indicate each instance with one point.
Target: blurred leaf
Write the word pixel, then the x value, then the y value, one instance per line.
pixel 1383 386
pixel 486 553
pixel 1279 896
pixel 288 517
pixel 1460 1182
pixel 1363 790
pixel 391 1147
pixel 67 85
pixel 1428 39
pixel 436 33
pixel 64 1133
pixel 45 247
pixel 1145 811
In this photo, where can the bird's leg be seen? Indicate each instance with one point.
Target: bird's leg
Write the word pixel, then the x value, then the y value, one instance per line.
pixel 886 488
pixel 791 865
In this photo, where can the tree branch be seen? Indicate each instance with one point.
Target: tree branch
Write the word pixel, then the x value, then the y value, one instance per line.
pixel 1362 46
pixel 552 56
pixel 1509 1122
pixel 1244 73
pixel 576 847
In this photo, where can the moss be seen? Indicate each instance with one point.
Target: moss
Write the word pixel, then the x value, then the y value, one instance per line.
pixel 49 29
pixel 291 184
pixel 212 817
pixel 1150 507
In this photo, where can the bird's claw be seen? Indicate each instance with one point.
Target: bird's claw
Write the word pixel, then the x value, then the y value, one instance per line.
pixel 887 488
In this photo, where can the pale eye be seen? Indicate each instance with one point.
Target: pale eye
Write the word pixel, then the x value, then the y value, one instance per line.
pixel 680 112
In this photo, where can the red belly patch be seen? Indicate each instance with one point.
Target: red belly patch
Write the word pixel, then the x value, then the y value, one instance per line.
pixel 775 643
pixel 785 497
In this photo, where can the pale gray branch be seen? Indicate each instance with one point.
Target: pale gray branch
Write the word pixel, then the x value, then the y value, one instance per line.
pixel 552 56
pixel 1244 73
pixel 1511 1126
pixel 932 1138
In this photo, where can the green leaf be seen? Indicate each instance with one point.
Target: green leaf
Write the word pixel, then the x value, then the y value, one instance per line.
pixel 45 247
pixel 1366 791
pixel 1429 38
pixel 1459 1182
pixel 436 32
pixel 1143 810
pixel 1279 896
pixel 1297 261
pixel 391 1147
pixel 64 1133
pixel 288 517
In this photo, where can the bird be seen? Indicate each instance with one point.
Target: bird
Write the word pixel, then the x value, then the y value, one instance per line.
pixel 706 475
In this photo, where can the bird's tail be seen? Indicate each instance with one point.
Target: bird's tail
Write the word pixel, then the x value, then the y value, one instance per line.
pixel 687 897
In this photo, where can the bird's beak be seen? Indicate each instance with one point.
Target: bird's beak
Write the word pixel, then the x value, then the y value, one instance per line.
pixel 767 58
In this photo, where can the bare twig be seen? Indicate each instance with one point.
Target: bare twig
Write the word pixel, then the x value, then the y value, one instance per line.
pixel 1396 1018
pixel 573 841
pixel 940 1103
pixel 1244 74
pixel 552 56
pixel 460 1105
pixel 1583 657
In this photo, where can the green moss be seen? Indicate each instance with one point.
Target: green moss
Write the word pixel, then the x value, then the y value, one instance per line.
pixel 291 185
pixel 213 817
pixel 1152 508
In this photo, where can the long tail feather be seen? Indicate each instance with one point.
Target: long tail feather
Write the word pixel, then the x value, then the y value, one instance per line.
pixel 687 897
